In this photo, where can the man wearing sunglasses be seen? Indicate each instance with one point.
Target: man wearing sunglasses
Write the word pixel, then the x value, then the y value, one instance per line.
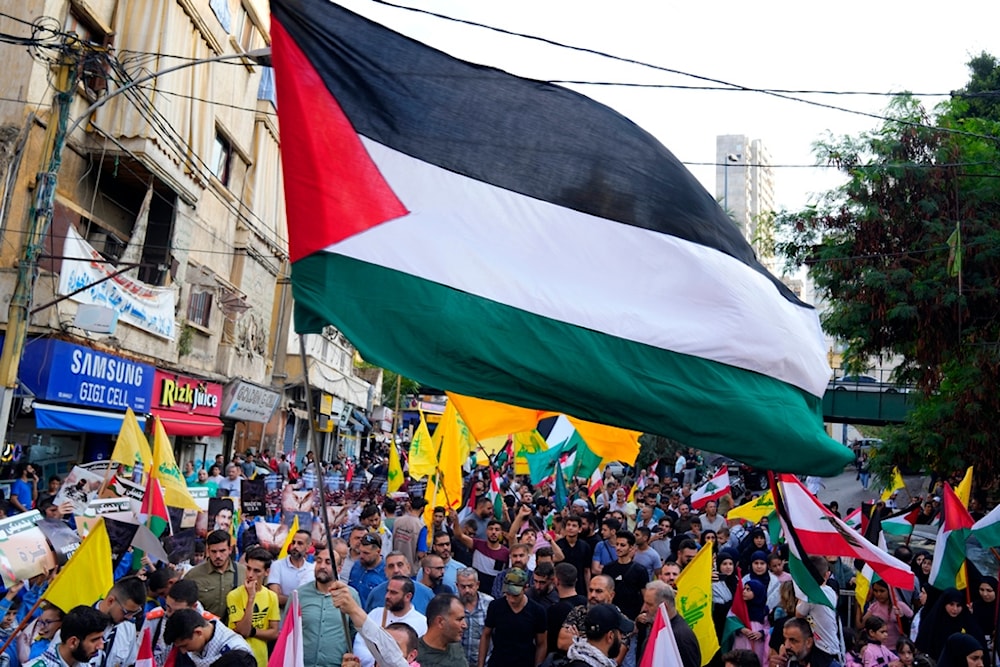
pixel 369 571
pixel 122 604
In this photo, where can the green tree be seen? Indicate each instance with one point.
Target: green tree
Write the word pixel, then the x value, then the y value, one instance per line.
pixel 652 447
pixel 882 250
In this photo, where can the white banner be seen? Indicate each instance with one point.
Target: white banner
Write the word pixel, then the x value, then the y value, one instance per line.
pixel 145 306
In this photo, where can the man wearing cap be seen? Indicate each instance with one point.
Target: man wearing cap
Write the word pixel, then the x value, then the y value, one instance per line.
pixel 602 639
pixel 519 554
pixel 515 625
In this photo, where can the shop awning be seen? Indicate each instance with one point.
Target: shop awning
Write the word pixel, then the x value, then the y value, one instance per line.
pixel 53 417
pixel 177 423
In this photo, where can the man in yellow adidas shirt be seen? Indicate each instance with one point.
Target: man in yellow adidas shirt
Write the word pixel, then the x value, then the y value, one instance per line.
pixel 253 607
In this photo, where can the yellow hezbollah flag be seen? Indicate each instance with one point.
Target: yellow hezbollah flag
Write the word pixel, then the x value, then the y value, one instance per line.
pixel 87 576
pixel 753 511
pixel 452 440
pixel 165 470
pixel 395 469
pixel 488 418
pixel 434 498
pixel 896 484
pixel 423 455
pixel 131 445
pixel 694 602
pixel 964 488
pixel 288 540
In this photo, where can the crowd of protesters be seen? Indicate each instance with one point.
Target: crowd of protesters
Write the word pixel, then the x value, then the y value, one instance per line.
pixel 511 583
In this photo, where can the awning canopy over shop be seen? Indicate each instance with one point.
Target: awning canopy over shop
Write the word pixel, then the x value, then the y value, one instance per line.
pixel 53 417
pixel 177 423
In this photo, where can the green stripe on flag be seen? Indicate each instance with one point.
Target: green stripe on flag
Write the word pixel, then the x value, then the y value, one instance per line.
pixel 681 384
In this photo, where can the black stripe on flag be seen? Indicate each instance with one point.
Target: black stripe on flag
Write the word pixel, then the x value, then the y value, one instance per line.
pixel 530 137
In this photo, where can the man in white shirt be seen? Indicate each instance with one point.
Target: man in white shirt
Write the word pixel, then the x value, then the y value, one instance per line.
pixel 289 573
pixel 398 609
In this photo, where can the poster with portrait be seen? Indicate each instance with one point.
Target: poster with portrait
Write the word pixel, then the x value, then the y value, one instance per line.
pixel 221 514
pixel 79 487
pixel 24 551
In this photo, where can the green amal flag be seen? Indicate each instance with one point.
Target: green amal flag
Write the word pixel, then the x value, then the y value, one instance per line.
pixel 586 461
pixel 562 494
pixel 542 463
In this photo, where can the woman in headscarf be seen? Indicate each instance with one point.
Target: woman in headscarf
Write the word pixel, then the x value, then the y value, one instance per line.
pixel 759 572
pixel 948 616
pixel 754 638
pixel 961 650
pixel 724 586
pixel 984 609
pixel 755 541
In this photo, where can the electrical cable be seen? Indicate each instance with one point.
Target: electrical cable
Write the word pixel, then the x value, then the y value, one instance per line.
pixel 699 77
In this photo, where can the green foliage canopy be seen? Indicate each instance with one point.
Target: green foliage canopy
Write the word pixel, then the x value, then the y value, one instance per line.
pixel 901 284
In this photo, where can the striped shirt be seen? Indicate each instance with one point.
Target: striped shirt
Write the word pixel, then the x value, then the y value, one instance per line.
pixel 475 620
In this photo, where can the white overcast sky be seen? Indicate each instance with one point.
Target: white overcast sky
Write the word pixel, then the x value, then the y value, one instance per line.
pixel 875 45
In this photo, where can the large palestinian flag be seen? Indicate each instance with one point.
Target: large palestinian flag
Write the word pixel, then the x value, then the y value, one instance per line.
pixel 514 240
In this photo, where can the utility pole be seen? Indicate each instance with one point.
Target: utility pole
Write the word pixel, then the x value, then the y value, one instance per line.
pixel 18 317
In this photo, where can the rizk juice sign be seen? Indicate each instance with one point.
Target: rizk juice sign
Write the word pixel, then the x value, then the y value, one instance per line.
pixel 180 393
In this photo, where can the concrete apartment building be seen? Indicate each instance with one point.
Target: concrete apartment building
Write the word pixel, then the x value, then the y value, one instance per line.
pixel 180 176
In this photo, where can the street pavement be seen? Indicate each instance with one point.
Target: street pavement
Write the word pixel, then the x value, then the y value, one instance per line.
pixel 848 493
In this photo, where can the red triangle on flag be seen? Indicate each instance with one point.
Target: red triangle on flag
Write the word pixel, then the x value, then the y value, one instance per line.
pixel 319 142
pixel 739 608
pixel 145 656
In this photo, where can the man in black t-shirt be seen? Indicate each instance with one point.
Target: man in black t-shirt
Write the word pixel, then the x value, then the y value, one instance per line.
pixel 629 577
pixel 515 625
pixel 565 578
pixel 576 552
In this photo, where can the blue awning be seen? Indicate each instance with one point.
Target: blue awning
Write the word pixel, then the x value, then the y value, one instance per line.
pixel 360 416
pixel 83 420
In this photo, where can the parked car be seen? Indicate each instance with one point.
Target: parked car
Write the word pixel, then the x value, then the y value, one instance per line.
pixel 866 383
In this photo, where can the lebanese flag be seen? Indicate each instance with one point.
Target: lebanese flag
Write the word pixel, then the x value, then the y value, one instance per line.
pixel 855 520
pixel 558 256
pixel 819 532
pixel 949 550
pixel 738 616
pixel 716 487
pixel 661 647
pixel 144 658
pixel 596 482
pixel 288 650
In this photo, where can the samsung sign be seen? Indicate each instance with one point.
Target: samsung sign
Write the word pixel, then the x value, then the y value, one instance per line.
pixel 55 370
